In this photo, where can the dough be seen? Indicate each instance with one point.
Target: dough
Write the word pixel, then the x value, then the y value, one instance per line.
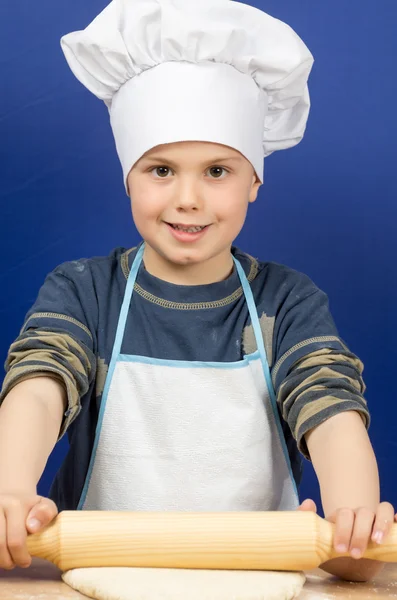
pixel 120 583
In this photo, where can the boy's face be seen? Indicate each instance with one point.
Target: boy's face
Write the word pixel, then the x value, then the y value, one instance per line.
pixel 184 185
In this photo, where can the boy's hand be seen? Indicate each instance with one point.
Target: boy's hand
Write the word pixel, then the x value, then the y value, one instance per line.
pixel 21 514
pixel 355 528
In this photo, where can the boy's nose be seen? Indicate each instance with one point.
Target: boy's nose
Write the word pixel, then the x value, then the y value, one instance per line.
pixel 187 204
pixel 188 196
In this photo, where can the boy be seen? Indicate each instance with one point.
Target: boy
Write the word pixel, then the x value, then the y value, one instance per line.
pixel 169 364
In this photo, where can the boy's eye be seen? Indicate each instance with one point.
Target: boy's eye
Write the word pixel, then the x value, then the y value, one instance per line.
pixel 161 172
pixel 217 172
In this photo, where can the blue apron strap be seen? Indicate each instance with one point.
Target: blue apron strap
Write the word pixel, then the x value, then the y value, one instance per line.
pixel 126 303
pixel 265 365
pixel 115 354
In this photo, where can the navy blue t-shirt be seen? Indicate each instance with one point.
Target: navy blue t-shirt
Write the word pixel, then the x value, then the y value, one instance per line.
pixel 69 334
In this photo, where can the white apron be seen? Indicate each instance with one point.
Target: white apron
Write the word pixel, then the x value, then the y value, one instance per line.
pixel 188 436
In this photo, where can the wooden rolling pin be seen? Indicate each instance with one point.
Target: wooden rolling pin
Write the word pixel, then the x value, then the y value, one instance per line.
pixel 290 541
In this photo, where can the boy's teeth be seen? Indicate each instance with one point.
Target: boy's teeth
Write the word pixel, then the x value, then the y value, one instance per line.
pixel 188 229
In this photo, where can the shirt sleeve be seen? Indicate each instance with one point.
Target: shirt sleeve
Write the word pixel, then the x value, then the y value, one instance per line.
pixel 57 339
pixel 315 375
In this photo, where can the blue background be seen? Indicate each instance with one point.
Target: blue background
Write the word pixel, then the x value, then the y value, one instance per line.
pixel 327 207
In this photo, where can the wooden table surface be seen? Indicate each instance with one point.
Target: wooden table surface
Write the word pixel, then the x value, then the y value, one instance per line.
pixel 43 581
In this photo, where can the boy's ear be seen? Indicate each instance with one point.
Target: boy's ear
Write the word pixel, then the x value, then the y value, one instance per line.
pixel 256 184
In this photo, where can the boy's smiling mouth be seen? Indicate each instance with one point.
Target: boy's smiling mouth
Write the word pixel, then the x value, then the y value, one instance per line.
pixel 188 228
pixel 185 232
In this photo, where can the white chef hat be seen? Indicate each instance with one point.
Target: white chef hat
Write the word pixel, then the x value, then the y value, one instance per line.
pixel 205 70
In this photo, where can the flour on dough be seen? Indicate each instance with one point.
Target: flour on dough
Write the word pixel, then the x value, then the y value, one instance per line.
pixel 120 583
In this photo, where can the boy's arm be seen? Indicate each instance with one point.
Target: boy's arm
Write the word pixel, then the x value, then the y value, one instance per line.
pixel 347 472
pixel 58 338
pixel 30 420
pixel 319 387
